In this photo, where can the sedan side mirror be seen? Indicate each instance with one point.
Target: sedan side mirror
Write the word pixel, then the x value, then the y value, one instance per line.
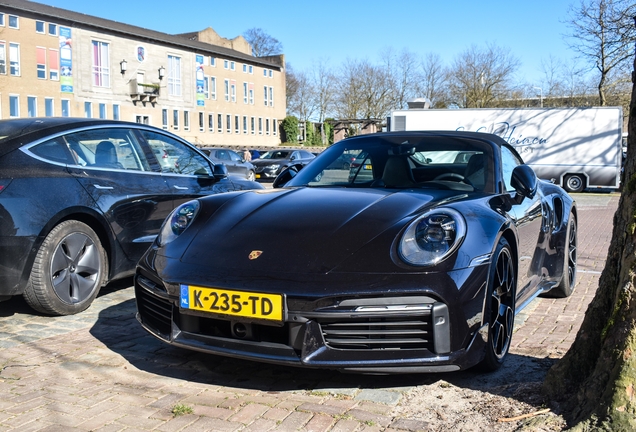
pixel 524 181
pixel 286 175
pixel 220 171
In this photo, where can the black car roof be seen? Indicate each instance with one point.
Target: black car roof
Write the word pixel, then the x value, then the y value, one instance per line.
pixel 482 136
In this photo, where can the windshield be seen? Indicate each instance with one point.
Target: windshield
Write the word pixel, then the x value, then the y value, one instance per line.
pixel 278 154
pixel 394 161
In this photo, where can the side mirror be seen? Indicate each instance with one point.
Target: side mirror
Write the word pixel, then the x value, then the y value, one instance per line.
pixel 220 171
pixel 286 175
pixel 524 180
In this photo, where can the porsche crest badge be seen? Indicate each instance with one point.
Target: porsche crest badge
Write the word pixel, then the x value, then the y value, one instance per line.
pixel 255 254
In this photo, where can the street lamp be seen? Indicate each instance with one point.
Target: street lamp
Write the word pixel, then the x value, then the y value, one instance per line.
pixel 540 96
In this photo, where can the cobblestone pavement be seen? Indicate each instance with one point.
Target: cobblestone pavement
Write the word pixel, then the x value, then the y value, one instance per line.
pixel 100 371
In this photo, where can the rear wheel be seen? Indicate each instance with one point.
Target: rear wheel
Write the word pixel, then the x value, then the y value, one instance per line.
pixel 568 281
pixel 574 183
pixel 500 307
pixel 69 269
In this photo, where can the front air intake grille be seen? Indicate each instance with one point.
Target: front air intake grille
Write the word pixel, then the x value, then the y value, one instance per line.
pixel 413 332
pixel 155 312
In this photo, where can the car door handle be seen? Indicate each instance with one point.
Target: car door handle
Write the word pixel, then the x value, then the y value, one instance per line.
pixel 180 187
pixel 102 187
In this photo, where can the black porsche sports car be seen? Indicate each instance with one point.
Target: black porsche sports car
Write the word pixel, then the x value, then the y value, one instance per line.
pixel 414 258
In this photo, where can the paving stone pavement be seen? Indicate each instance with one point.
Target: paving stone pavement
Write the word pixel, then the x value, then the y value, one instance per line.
pixel 100 371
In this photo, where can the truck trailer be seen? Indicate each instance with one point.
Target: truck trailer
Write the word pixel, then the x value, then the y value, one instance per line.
pixel 577 148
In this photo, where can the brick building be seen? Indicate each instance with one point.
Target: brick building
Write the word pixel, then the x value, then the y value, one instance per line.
pixel 207 89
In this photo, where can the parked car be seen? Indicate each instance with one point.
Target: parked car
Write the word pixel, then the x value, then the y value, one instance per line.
pixel 271 163
pixel 234 162
pixel 418 265
pixel 81 200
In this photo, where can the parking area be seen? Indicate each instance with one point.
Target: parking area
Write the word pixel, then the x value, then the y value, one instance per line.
pixel 100 371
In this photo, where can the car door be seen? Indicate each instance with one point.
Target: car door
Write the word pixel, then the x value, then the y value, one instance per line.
pixel 113 168
pixel 240 165
pixel 191 175
pixel 528 218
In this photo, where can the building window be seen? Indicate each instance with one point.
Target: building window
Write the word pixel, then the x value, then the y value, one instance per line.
pixel 237 128
pixel 227 90
pixel 232 66
pixel 175 119
pixel 211 122
pixel 219 123
pixel 213 88
pixel 260 125
pixel 14 59
pixel 48 107
pixel 228 123
pixel 32 106
pixel 102 110
pixel 266 126
pixel 88 110
pixel 13 22
pixel 101 67
pixel 54 64
pixel 53 29
pixel 186 120
pixel 245 93
pixel 174 75
pixel 244 124
pixel 66 108
pixel 274 126
pixel 271 73
pixel 264 72
pixel 226 64
pixel 164 118
pixel 40 60
pixel 244 68
pixel 39 27
pixel 116 112
pixel 271 96
pixel 206 86
pixel 2 19
pixel 251 93
pixel 251 69
pixel 233 90
pixel 265 94
pixel 252 122
pixel 201 122
pixel 14 106
pixel 3 58
pixel 212 61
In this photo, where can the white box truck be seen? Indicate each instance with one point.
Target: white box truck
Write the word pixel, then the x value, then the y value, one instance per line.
pixel 576 148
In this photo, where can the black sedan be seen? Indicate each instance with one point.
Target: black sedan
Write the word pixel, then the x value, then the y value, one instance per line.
pixel 81 200
pixel 234 162
pixel 414 259
pixel 271 163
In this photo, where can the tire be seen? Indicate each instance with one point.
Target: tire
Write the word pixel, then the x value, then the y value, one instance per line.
pixel 574 183
pixel 500 307
pixel 568 281
pixel 251 176
pixel 69 269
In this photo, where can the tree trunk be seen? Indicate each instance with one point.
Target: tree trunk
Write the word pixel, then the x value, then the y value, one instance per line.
pixel 594 384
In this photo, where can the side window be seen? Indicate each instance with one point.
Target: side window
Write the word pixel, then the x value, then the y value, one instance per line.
pixel 223 155
pixel 508 162
pixel 176 157
pixel 109 148
pixel 235 157
pixel 54 150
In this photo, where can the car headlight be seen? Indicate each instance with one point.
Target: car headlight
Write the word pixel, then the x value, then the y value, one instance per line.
pixel 180 219
pixel 432 237
pixel 273 166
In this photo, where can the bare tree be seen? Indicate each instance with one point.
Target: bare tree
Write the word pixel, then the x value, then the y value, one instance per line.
pixel 433 79
pixel 603 34
pixel 262 43
pixel 480 76
pixel 302 102
pixel 403 74
pixel 595 381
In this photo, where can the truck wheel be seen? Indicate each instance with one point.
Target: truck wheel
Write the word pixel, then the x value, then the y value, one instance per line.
pixel 574 183
pixel 69 269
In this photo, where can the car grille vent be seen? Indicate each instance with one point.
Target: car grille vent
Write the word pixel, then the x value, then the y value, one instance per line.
pixel 378 333
pixel 155 312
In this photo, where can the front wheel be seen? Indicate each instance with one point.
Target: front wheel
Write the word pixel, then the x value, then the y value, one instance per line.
pixel 251 176
pixel 69 269
pixel 500 307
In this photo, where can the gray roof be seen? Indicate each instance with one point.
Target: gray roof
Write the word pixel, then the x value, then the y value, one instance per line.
pixel 80 20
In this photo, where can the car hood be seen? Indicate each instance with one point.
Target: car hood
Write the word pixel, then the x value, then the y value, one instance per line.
pixel 258 162
pixel 303 230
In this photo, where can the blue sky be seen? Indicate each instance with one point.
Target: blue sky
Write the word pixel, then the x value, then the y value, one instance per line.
pixel 332 31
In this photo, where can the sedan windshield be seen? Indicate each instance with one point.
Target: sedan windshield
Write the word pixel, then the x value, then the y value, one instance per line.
pixel 278 154
pixel 392 161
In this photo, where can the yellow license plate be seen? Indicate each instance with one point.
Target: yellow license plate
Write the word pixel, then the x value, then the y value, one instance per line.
pixel 258 176
pixel 368 167
pixel 233 303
